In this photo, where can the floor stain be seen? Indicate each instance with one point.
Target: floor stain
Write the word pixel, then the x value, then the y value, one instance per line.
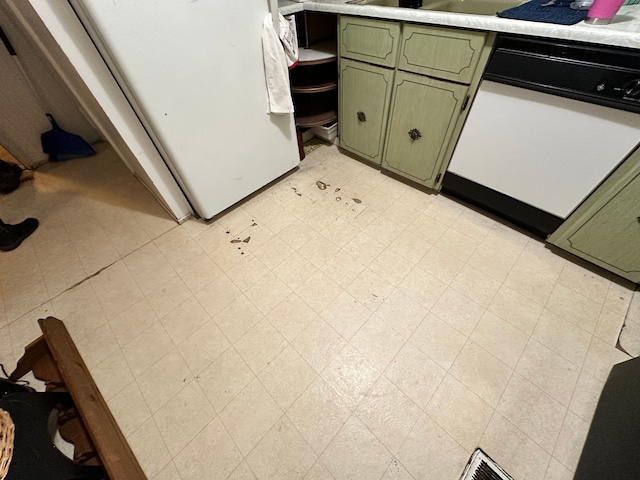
pixel 357 200
pixel 321 185
pixel 246 240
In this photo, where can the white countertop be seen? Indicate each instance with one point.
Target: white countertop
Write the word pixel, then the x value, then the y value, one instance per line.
pixel 623 31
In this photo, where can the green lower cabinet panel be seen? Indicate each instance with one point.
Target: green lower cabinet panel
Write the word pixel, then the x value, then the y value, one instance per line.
pixel 446 53
pixel 365 92
pixel 369 40
pixel 605 229
pixel 424 112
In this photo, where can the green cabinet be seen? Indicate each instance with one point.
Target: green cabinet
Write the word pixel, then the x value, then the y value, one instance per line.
pixel 371 41
pixel 409 125
pixel 364 94
pixel 428 110
pixel 445 53
pixel 605 229
pixel 423 118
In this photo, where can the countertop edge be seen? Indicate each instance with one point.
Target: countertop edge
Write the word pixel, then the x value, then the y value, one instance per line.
pixel 289 8
pixel 624 31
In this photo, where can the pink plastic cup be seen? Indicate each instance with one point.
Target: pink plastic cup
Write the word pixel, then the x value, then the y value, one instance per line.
pixel 603 11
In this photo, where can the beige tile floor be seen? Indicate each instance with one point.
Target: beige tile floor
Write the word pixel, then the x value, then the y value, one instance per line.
pixel 363 331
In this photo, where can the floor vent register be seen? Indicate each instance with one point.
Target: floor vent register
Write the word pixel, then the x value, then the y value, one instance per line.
pixel 482 467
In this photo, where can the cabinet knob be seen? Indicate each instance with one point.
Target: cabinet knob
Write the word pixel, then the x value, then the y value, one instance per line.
pixel 415 134
pixel 361 117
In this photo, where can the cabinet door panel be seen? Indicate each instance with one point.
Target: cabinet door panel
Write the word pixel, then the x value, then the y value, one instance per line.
pixel 424 112
pixel 612 235
pixel 605 229
pixel 445 53
pixel 373 41
pixel 365 91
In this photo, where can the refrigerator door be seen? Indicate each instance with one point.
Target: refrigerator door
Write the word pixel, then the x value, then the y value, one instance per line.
pixel 194 73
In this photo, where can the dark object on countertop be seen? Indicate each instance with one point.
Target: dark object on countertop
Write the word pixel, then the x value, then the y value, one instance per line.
pixel 536 11
pixel 62 145
pixel 612 448
pixel 9 177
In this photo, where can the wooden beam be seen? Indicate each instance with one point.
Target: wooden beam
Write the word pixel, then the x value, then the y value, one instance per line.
pixel 113 449
pixel 33 353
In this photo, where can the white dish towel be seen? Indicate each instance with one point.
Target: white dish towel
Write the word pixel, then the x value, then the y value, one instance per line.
pixel 280 53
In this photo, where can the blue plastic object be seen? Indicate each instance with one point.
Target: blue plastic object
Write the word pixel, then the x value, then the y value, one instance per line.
pixel 62 145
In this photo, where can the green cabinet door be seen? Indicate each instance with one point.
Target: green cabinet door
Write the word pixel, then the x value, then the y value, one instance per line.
pixel 446 53
pixel 364 91
pixel 424 114
pixel 368 40
pixel 605 229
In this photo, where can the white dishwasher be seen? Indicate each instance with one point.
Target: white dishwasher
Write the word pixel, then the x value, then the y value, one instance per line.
pixel 550 121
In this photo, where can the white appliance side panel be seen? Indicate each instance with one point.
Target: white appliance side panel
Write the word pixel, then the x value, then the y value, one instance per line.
pixel 544 150
pixel 195 71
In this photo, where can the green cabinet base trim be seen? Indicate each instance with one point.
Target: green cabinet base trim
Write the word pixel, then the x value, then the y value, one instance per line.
pixel 605 229
pixel 446 53
pixel 373 41
pixel 424 112
pixel 364 95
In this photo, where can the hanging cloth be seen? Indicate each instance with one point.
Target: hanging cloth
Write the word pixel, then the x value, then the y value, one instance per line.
pixel 276 66
pixel 289 39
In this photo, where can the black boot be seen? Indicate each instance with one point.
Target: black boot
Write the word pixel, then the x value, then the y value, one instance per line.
pixel 11 236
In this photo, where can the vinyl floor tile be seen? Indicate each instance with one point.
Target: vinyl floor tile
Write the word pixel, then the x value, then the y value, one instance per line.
pixel 379 339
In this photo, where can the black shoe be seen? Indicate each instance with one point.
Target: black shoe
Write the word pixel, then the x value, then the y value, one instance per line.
pixel 11 236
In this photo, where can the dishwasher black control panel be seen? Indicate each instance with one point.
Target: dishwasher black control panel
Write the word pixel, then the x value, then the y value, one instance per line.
pixel 598 74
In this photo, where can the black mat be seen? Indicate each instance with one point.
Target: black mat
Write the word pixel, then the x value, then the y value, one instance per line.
pixel 534 11
pixel 612 448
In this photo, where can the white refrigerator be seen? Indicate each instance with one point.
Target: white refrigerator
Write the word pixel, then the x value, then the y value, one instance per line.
pixel 193 72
